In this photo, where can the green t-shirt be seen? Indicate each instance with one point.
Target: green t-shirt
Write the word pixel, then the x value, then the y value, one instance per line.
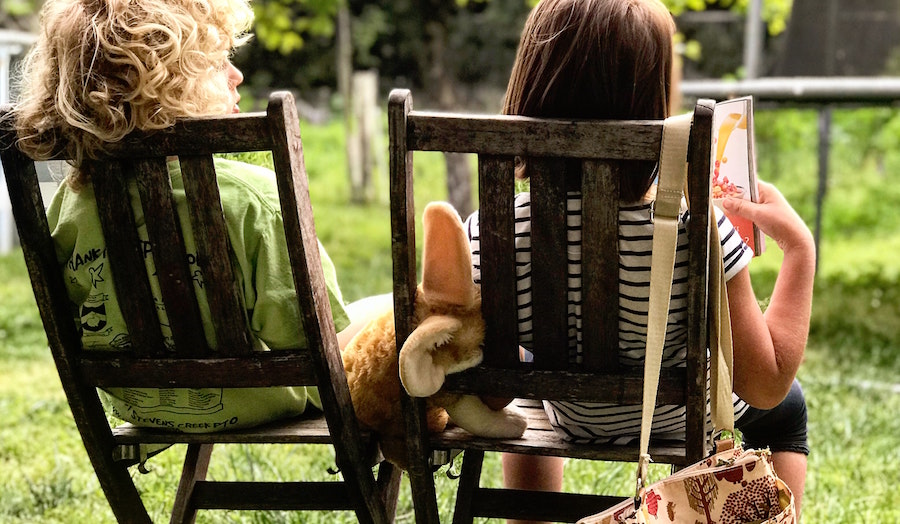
pixel 255 230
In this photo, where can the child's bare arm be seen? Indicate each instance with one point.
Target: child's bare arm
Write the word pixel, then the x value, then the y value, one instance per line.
pixel 769 347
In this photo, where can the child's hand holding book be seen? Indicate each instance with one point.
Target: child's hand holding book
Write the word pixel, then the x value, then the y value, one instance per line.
pixel 734 163
pixel 775 217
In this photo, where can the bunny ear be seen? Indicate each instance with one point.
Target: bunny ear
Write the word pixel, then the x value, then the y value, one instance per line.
pixel 419 373
pixel 447 262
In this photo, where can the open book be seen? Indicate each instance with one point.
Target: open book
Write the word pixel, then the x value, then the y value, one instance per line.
pixel 734 163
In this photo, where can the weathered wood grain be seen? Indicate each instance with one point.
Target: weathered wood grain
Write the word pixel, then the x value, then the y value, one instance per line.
pixel 565 159
pixel 135 173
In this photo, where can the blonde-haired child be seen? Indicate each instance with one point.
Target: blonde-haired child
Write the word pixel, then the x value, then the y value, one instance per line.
pixel 103 68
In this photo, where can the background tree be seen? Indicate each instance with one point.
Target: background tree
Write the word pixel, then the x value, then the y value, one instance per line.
pixel 20 15
pixel 712 35
pixel 843 38
pixel 455 55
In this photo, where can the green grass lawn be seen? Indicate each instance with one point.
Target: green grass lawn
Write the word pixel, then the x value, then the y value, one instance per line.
pixel 850 375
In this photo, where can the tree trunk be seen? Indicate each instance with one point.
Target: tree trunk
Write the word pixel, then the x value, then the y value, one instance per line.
pixel 459 175
pixel 344 67
pixel 840 38
pixel 365 139
pixel 459 182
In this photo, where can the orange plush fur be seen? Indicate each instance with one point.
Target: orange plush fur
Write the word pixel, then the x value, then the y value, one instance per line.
pixel 447 337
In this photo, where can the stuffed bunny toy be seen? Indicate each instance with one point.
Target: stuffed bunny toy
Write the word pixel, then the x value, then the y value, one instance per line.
pixel 447 338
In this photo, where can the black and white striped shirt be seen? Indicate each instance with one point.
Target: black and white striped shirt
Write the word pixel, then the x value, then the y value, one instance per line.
pixel 584 420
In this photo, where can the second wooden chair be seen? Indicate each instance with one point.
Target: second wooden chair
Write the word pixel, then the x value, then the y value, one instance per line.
pixel 565 157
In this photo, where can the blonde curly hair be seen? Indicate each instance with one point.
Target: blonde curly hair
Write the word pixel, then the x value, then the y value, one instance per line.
pixel 103 68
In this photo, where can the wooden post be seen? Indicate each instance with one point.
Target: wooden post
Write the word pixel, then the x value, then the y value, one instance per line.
pixel 365 148
pixel 344 66
pixel 824 150
pixel 459 173
pixel 753 39
pixel 12 43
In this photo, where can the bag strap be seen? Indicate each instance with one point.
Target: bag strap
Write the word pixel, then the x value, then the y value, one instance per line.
pixel 720 340
pixel 672 177
pixel 672 180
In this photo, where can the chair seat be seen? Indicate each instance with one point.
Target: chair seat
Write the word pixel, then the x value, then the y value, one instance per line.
pixel 541 439
pixel 299 430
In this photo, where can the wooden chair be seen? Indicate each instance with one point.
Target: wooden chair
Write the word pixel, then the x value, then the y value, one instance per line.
pixel 563 156
pixel 191 363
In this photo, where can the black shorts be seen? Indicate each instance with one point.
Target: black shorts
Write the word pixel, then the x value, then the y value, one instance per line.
pixel 782 428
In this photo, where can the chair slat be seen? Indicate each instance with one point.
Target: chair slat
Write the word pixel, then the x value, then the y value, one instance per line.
pixel 518 135
pixel 126 250
pixel 170 260
pixel 403 227
pixel 235 133
pixel 315 308
pixel 291 431
pixel 698 192
pixel 290 496
pixel 600 266
pixel 226 306
pixel 403 254
pixel 622 388
pixel 273 368
pixel 498 259
pixel 300 235
pixel 549 262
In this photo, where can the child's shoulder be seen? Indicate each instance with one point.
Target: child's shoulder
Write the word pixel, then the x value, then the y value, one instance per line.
pixel 235 171
pixel 243 177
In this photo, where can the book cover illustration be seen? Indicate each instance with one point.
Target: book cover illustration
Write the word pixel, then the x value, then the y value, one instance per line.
pixel 734 163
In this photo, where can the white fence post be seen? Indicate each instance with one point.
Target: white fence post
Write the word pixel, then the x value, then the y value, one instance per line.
pixel 12 43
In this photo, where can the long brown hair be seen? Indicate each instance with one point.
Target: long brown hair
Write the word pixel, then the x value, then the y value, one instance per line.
pixel 597 59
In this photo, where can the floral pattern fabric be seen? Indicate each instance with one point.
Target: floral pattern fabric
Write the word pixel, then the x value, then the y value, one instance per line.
pixel 730 487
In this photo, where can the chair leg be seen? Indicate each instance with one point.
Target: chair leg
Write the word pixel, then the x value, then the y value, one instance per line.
pixel 469 480
pixel 121 493
pixel 114 477
pixel 389 487
pixel 419 458
pixel 196 464
pixel 421 484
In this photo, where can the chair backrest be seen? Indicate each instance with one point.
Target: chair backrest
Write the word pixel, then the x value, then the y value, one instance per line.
pixel 564 156
pixel 186 360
